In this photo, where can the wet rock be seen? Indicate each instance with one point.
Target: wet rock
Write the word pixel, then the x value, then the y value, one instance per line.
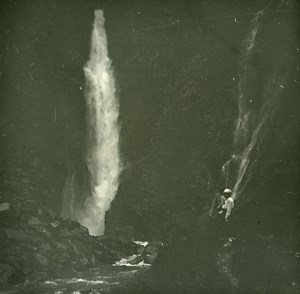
pixel 6 273
pixel 116 244
pixel 19 235
pixel 44 231
pixel 61 247
pixel 3 239
pixel 28 272
pixel 98 253
pixel 34 221
pixel 74 248
pixel 55 224
pixel 40 276
pixel 38 225
pixel 151 251
pixel 8 214
pixel 80 232
pixel 4 207
pixel 45 247
pixel 40 212
pixel 54 245
pixel 65 256
pixel 88 291
pixel 70 224
pixel 84 261
pixel 65 233
pixel 93 260
pixel 150 258
pixel 51 213
pixel 135 259
pixel 118 254
pixel 42 260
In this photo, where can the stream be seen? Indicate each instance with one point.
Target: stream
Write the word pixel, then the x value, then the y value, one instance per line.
pixel 95 280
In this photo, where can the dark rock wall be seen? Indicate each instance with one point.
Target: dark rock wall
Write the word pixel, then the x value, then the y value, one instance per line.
pixel 176 65
pixel 178 117
pixel 42 113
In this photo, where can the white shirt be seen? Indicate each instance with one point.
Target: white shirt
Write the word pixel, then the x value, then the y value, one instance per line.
pixel 228 205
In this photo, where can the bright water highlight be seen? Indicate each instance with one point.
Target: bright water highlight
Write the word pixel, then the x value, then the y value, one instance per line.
pixel 252 125
pixel 88 193
pixel 102 156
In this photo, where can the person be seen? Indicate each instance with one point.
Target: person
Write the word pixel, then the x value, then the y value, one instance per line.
pixel 226 204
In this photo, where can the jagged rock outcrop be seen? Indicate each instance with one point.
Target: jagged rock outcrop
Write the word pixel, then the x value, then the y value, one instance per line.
pixel 151 250
pixel 33 246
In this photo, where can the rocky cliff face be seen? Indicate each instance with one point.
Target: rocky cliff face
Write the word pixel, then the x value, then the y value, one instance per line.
pixel 177 66
pixel 178 119
pixel 37 244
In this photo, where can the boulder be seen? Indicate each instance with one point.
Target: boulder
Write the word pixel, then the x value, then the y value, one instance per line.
pixel 3 239
pixel 151 251
pixel 61 247
pixel 43 230
pixel 41 259
pixel 116 244
pixel 80 232
pixel 8 214
pixel 55 224
pixel 6 273
pixel 4 207
pixel 34 221
pixel 45 247
pixel 65 233
pixel 40 242
pixel 19 235
pixel 136 259
pixel 84 261
pixel 70 224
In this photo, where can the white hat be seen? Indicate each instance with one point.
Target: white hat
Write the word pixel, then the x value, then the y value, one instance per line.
pixel 227 191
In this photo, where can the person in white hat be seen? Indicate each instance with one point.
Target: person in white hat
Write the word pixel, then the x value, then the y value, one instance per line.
pixel 228 204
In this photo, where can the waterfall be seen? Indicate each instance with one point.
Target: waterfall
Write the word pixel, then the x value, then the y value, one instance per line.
pixel 102 157
pixel 252 124
pixel 88 201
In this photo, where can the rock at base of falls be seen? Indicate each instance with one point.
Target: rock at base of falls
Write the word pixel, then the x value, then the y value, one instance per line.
pixel 37 245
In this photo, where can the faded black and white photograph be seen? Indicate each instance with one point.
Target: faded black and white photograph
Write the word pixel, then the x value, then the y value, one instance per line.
pixel 149 146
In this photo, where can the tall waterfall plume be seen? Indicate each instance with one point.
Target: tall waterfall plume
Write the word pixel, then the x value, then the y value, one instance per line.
pixel 252 124
pixel 102 155
pixel 92 185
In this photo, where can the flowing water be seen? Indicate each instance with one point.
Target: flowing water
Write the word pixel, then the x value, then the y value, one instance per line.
pixel 102 151
pixel 103 279
pixel 252 124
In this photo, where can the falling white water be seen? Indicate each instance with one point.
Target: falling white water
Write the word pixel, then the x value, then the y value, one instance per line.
pixel 246 158
pixel 242 126
pixel 102 155
pixel 251 126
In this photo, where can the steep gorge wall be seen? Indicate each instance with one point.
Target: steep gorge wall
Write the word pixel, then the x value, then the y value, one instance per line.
pixel 42 117
pixel 175 151
pixel 177 69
